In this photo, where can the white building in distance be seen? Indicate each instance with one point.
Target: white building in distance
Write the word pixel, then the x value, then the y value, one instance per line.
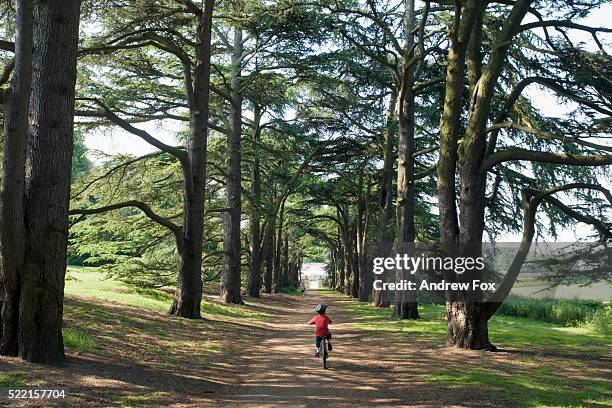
pixel 314 275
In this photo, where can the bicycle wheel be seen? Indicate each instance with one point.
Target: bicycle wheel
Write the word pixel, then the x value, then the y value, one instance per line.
pixel 324 351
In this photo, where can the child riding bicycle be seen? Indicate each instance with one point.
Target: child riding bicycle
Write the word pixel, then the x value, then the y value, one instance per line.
pixel 321 321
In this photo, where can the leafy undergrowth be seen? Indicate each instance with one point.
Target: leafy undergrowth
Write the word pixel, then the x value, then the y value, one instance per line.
pixel 566 312
pixel 547 365
pixel 290 291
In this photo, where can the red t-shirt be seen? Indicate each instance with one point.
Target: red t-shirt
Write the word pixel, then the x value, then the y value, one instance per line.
pixel 321 322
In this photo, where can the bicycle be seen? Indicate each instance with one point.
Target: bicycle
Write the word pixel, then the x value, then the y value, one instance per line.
pixel 324 353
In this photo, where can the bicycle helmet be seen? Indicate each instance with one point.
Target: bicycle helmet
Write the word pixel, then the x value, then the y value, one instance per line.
pixel 321 308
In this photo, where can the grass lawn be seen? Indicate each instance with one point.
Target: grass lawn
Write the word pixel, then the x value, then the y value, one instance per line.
pixel 541 364
pixel 104 323
pixel 89 283
pixel 89 325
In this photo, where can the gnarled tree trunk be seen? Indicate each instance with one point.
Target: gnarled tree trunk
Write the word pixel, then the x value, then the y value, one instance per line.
pixel 467 325
pixel 467 316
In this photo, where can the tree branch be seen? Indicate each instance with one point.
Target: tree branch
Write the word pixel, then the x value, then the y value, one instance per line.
pixel 547 82
pixel 113 170
pixel 165 222
pixel 544 157
pixel 417 88
pixel 191 6
pixel 566 24
pixel 7 46
pixel 6 72
pixel 144 135
pixel 602 229
pixel 427 172
pixel 374 18
pixel 425 151
pixel 541 134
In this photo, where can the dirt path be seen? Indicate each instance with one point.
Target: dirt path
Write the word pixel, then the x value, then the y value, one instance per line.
pixel 279 369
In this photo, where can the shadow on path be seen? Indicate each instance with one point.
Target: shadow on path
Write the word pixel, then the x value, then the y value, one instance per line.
pixel 366 370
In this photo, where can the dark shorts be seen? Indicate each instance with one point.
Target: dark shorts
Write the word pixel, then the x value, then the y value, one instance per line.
pixel 319 338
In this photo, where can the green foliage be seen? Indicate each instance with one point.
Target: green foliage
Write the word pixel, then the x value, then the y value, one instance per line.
pixel 560 311
pixel 290 291
pixel 125 242
pixel 81 165
pixel 601 321
pixel 315 71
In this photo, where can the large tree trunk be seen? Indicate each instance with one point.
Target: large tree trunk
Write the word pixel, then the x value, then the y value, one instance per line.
pixel 341 267
pixel 361 227
pixel 49 157
pixel 278 242
pixel 230 279
pixel 467 315
pixel 347 247
pixel 467 325
pixel 295 270
pixel 406 306
pixel 12 215
pixel 334 268
pixel 450 125
pixel 354 261
pixel 254 274
pixel 348 275
pixel 285 263
pixel 268 251
pixel 380 298
pixel 298 269
pixel 348 251
pixel 189 292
